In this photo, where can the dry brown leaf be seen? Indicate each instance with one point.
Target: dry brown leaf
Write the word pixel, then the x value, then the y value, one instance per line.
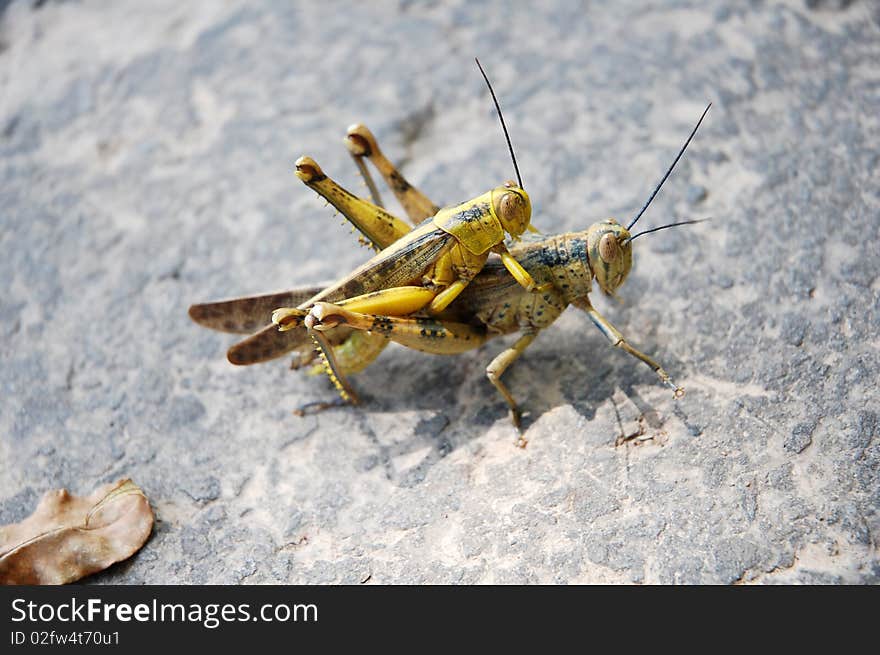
pixel 69 537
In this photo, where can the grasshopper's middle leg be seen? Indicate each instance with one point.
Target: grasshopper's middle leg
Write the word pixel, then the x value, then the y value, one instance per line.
pixel 496 369
pixel 619 341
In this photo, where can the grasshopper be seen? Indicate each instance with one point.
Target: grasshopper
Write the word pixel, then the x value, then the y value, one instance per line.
pixel 429 266
pixel 493 304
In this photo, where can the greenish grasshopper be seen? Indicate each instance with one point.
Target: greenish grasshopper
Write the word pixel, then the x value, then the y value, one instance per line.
pixel 495 303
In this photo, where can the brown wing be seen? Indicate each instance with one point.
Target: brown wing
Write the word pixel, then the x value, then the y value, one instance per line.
pixel 397 265
pixel 267 344
pixel 270 343
pixel 402 263
pixel 244 315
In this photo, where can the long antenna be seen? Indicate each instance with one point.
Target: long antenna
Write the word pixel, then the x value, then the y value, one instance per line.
pixel 503 126
pixel 680 153
pixel 663 227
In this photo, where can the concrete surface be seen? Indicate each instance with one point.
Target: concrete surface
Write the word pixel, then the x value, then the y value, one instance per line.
pixel 146 164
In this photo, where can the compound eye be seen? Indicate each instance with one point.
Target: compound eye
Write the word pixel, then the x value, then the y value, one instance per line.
pixel 509 206
pixel 609 248
pixel 513 212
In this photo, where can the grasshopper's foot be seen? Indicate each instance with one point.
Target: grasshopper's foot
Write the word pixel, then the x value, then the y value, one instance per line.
pixel 288 318
pixel 320 405
pixel 516 419
pixel 677 391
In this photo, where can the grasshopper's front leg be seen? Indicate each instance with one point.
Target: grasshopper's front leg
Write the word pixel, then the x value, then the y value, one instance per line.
pixel 619 341
pixel 519 273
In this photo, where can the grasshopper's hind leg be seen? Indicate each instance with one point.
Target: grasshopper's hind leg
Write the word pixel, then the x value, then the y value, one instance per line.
pixel 334 370
pixel 379 226
pixel 365 172
pixel 362 144
pixel 339 358
pixel 496 369
pixel 436 336
pixel 425 334
pixel 430 335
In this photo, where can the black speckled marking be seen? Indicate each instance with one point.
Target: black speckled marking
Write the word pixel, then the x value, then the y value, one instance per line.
pixel 382 325
pixel 399 184
pixel 318 177
pixel 430 329
pixel 474 213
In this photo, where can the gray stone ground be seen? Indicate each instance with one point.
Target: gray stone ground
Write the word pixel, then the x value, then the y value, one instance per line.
pixel 146 157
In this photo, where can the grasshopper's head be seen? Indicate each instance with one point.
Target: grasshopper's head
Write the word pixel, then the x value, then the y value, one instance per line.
pixel 610 253
pixel 609 244
pixel 512 207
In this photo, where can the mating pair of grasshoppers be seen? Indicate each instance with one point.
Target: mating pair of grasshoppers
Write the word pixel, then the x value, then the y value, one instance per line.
pixel 436 287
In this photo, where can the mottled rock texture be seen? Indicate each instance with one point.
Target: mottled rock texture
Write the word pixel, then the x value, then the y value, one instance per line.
pixel 146 155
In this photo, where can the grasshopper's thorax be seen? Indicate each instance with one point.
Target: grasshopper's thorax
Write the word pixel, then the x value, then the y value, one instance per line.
pixel 561 260
pixel 610 254
pixel 479 224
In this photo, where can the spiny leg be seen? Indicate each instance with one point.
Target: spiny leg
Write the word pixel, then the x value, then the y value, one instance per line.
pixel 396 300
pixel 379 226
pixel 619 341
pixel 496 369
pixel 361 143
pixel 334 372
pixel 338 358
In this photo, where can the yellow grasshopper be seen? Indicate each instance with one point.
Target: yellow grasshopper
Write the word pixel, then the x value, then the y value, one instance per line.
pixel 429 266
pixel 493 304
